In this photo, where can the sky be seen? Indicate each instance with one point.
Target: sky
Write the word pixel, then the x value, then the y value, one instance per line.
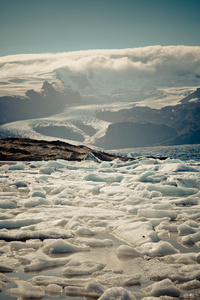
pixel 40 26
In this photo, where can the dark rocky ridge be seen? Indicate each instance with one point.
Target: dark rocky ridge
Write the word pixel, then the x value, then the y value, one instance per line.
pixel 36 104
pixel 22 149
pixel 136 134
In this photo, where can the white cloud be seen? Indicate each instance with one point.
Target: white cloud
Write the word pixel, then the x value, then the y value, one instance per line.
pixel 161 62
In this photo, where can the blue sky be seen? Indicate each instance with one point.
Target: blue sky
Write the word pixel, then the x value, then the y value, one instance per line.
pixel 37 26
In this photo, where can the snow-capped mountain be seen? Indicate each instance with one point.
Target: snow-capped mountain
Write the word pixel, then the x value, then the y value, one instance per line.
pixel 63 95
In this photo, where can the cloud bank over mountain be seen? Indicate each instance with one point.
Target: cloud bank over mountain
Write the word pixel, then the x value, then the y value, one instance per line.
pixel 103 69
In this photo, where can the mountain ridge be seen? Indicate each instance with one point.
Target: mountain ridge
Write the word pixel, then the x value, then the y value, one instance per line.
pixel 183 119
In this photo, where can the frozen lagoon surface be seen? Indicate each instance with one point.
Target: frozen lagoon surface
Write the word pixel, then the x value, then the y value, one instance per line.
pixel 101 230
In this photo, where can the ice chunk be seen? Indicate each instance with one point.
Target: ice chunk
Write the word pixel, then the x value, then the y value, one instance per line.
pixel 113 190
pixel 2 286
pixel 111 279
pixel 38 192
pixel 151 213
pixel 11 224
pixel 92 157
pixel 79 267
pixel 147 161
pixel 4 283
pixel 4 168
pixel 185 168
pixel 26 290
pixel 190 239
pixel 36 201
pixel 41 262
pixel 98 177
pixel 85 231
pixel 93 289
pixel 136 233
pixel 46 280
pixel 167 190
pixel 186 258
pixel 63 161
pixel 161 248
pixel 117 293
pixel 61 222
pixel 24 190
pixel 46 170
pixel 4 216
pixel 6 269
pixel 58 189
pixel 188 201
pixel 42 178
pixel 156 270
pixel 17 235
pixel 177 167
pixel 188 183
pixel 125 250
pixel 61 246
pixel 20 183
pixel 16 246
pixel 192 223
pixel 53 290
pixel 32 165
pixel 39 163
pixel 17 167
pixel 55 164
pixel 184 229
pixel 75 223
pixel 98 223
pixel 162 288
pixel 190 285
pixel 104 165
pixel 166 225
pixel 62 202
pixel 150 176
pixel 4 278
pixel 162 206
pixel 8 204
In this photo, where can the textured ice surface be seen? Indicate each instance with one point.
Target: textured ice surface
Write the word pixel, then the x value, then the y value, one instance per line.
pixel 26 290
pixel 82 228
pixel 117 293
pixel 78 268
pixel 92 289
pixel 61 246
pixel 163 288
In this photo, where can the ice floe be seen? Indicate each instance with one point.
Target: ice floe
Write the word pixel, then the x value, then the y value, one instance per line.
pixel 163 288
pixel 62 246
pixel 92 289
pixel 78 268
pixel 26 290
pixel 117 293
pixel 107 230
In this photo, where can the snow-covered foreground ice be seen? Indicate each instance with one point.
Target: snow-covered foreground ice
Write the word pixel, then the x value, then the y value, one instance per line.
pixel 90 230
